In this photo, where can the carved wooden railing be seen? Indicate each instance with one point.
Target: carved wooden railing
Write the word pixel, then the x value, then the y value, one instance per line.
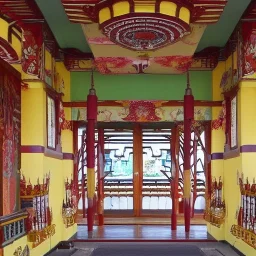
pixel 12 227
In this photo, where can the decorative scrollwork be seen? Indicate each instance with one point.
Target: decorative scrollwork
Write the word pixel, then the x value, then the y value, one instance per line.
pixel 39 236
pixel 216 209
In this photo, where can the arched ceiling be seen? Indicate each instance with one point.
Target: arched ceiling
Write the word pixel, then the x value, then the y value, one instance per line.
pixel 70 35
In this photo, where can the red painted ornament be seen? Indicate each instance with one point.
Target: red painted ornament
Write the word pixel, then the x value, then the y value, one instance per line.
pixel 142 111
pixel 7 53
pixel 139 31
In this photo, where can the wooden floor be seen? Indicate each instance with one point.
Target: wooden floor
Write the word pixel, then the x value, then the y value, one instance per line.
pixel 142 233
pixel 197 220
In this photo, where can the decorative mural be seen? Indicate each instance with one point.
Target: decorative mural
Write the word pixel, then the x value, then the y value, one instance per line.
pixel 32 52
pixel 120 32
pixel 115 59
pixel 10 125
pixel 142 111
pixel 215 211
pixel 63 123
pixel 246 216
pixel 36 200
pixel 70 204
pixel 220 122
pixel 249 49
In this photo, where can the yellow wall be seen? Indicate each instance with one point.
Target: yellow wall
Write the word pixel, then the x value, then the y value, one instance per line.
pixel 35 133
pixel 36 165
pixel 243 163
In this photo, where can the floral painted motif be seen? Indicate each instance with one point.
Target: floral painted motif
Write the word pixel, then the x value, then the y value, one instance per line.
pixel 108 65
pixel 249 38
pixel 63 123
pixel 220 122
pixel 32 51
pixel 141 111
pixel 180 63
pixel 100 40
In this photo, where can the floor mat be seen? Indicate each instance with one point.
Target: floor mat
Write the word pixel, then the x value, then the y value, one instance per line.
pixel 148 250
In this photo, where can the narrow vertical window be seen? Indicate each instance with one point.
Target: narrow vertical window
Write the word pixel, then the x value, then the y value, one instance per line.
pixel 51 115
pixel 233 123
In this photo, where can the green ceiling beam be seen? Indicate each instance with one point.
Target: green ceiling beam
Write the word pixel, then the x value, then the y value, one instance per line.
pixel 219 33
pixel 67 34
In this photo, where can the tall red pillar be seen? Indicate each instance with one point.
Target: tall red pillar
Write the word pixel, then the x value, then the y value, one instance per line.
pixel 175 181
pixel 90 150
pixel 100 169
pixel 188 118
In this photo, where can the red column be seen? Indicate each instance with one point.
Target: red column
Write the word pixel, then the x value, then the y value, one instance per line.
pixel 175 180
pixel 83 173
pixel 100 176
pixel 90 142
pixel 188 117
pixel 75 150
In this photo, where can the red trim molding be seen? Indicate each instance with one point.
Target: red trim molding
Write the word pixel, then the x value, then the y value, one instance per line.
pixel 35 149
pixel 170 103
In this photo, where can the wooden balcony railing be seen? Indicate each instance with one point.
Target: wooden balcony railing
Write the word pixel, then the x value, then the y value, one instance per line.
pixel 12 227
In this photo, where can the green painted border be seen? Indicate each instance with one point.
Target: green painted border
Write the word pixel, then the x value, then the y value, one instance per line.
pixel 141 87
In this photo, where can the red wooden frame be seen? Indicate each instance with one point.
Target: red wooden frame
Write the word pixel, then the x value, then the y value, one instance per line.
pixel 56 98
pixel 228 96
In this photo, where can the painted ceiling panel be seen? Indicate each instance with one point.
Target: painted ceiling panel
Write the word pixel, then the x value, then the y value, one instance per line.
pixel 114 59
pixel 70 35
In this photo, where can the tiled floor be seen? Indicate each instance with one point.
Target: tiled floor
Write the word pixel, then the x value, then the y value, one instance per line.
pixel 86 248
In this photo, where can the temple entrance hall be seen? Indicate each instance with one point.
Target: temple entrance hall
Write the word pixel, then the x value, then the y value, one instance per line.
pixel 127 127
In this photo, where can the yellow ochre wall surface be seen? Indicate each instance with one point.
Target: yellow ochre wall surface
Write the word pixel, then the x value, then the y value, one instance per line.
pixel 35 166
pixel 243 162
pixel 217 144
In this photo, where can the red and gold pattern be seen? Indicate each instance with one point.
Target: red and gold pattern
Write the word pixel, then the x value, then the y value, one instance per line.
pixel 180 63
pixel 10 122
pixel 216 209
pixel 220 122
pixel 27 190
pixel 70 204
pixel 141 31
pixel 32 44
pixel 63 123
pixel 79 11
pixel 142 111
pixel 37 237
pixel 246 217
pixel 249 42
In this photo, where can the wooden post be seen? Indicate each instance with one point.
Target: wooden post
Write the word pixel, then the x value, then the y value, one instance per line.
pixel 100 173
pixel 137 169
pixel 76 160
pixel 83 173
pixel 207 159
pixel 175 177
pixel 90 142
pixel 188 117
pixel 195 142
